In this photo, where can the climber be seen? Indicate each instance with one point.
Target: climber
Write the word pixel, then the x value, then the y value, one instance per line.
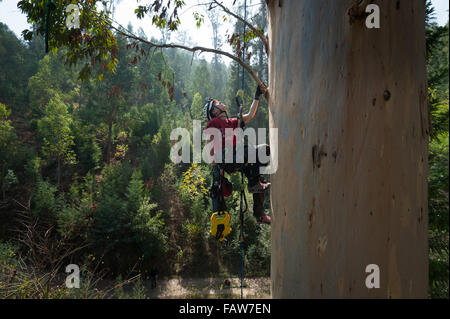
pixel 218 118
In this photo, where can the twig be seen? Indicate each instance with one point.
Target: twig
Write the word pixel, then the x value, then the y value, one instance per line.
pixel 257 32
pixel 194 49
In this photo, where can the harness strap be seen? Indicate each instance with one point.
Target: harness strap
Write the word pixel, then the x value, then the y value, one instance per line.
pixel 223 205
pixel 220 229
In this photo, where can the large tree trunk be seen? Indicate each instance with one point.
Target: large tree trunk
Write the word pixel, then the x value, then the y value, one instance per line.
pixel 350 105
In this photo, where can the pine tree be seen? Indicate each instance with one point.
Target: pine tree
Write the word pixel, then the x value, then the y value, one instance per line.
pixel 54 128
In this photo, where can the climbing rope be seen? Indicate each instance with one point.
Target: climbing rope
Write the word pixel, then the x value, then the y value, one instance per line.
pixel 242 196
pixel 242 210
pixel 219 229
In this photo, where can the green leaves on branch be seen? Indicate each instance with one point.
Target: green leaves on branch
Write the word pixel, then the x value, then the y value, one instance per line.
pixel 141 11
pixel 199 19
pixel 162 17
pixel 237 41
pixel 92 43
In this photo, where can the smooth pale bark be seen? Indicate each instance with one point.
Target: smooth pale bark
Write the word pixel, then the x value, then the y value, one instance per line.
pixel 350 105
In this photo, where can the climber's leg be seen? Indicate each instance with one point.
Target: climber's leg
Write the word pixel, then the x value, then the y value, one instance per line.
pixel 214 192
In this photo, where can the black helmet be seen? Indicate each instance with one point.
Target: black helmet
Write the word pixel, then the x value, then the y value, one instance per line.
pixel 208 107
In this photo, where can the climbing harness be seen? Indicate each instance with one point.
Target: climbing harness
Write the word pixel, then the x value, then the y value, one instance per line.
pixel 220 221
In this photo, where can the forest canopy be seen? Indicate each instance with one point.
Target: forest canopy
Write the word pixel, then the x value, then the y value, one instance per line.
pixel 85 173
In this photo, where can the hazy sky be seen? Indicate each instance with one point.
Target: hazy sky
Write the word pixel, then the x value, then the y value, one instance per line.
pixel 16 21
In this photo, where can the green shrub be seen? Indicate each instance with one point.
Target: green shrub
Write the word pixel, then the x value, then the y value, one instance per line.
pixel 8 252
pixel 45 201
pixel 438 187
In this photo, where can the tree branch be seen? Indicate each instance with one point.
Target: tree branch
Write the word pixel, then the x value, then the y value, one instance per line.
pixel 201 49
pixel 257 32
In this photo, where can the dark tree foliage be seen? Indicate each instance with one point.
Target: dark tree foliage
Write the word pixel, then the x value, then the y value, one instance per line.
pixel 437 46
pixel 88 157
